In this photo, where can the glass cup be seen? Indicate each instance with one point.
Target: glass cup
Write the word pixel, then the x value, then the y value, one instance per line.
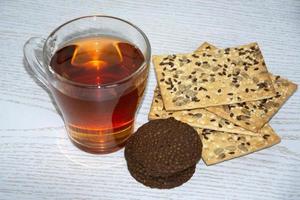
pixel 99 118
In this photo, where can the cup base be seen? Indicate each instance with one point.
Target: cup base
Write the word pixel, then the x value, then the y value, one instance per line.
pixel 100 150
pixel 96 142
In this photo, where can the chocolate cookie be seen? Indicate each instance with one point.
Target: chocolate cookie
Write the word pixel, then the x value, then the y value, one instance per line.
pixel 164 147
pixel 172 181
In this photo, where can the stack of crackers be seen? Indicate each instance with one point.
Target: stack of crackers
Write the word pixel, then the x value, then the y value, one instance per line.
pixel 227 95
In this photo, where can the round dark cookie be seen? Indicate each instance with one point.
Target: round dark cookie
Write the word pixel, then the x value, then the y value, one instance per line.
pixel 164 147
pixel 177 179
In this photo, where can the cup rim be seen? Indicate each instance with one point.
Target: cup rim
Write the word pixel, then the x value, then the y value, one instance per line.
pixel 112 84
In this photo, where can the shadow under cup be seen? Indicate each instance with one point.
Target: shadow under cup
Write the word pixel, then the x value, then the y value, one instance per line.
pixel 99 118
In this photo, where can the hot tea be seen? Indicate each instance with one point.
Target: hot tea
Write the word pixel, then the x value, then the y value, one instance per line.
pixel 99 120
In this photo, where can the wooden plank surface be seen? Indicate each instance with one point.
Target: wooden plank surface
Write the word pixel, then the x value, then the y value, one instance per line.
pixel 37 161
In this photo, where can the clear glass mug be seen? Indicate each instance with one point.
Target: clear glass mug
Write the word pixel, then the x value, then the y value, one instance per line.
pixel 98 118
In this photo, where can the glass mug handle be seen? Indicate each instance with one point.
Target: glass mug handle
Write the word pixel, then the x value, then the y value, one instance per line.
pixel 33 53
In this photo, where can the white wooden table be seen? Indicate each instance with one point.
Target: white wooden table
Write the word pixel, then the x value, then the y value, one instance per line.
pixel 37 160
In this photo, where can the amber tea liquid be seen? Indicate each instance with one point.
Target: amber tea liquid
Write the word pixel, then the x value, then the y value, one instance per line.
pixel 100 119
